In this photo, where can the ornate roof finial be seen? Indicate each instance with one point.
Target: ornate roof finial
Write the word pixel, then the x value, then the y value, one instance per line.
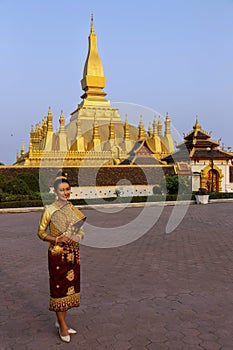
pixel 197 125
pixel 49 111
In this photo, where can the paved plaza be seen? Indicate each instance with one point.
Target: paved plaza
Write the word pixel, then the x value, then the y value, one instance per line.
pixel 161 292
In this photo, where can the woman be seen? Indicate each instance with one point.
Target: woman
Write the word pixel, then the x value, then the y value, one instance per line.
pixel 64 222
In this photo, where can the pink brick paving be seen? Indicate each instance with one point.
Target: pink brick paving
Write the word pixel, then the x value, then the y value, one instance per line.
pixel 161 292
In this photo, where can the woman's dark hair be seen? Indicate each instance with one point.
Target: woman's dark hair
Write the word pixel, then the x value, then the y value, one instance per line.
pixel 60 178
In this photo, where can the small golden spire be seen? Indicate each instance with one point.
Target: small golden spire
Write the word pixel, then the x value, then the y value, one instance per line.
pixel 111 131
pixel 160 127
pixel 96 135
pixel 197 126
pixel 126 129
pixel 167 125
pixel 155 127
pixel 37 134
pixel 22 148
pixel 32 133
pixel 141 129
pixel 49 121
pixel 150 130
pixel 62 122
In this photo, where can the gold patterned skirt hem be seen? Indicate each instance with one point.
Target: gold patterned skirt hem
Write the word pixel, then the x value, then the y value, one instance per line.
pixel 65 303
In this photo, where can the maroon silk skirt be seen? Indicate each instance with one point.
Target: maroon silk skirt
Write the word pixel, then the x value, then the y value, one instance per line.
pixel 64 277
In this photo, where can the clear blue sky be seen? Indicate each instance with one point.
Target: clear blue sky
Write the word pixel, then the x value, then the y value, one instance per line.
pixel 173 56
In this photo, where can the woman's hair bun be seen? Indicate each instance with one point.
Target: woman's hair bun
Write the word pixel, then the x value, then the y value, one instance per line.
pixel 61 175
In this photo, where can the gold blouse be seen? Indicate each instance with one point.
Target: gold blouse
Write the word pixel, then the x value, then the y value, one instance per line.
pixel 69 211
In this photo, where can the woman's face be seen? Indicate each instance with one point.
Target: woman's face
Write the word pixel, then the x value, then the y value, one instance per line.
pixel 63 191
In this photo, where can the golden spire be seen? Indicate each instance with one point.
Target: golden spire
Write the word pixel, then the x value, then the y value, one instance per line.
pixel 111 131
pixel 155 127
pixel 62 123
pixel 96 135
pixel 93 80
pixel 49 121
pixel 150 130
pixel 22 148
pixel 197 126
pixel 126 129
pixel 49 135
pixel 160 127
pixel 37 133
pixel 32 134
pixel 141 130
pixel 93 65
pixel 95 144
pixel 167 125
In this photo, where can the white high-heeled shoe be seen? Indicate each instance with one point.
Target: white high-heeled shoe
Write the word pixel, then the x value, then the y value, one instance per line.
pixel 70 330
pixel 65 338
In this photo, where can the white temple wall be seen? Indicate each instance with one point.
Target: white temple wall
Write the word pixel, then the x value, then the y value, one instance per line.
pixel 110 191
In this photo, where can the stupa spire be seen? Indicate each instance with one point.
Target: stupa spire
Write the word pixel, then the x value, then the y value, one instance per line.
pixel 111 131
pixel 155 127
pixel 96 135
pixel 22 148
pixel 49 121
pixel 160 127
pixel 197 126
pixel 126 129
pixel 93 80
pixel 62 123
pixel 167 125
pixel 141 130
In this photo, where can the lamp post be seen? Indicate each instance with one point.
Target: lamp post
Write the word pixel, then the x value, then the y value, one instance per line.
pixel 210 150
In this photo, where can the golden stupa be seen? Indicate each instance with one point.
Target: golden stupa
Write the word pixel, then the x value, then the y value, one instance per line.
pixel 96 134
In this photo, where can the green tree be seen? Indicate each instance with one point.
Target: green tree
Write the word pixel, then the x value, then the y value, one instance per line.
pixel 3 181
pixel 178 183
pixel 16 186
pixel 31 180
